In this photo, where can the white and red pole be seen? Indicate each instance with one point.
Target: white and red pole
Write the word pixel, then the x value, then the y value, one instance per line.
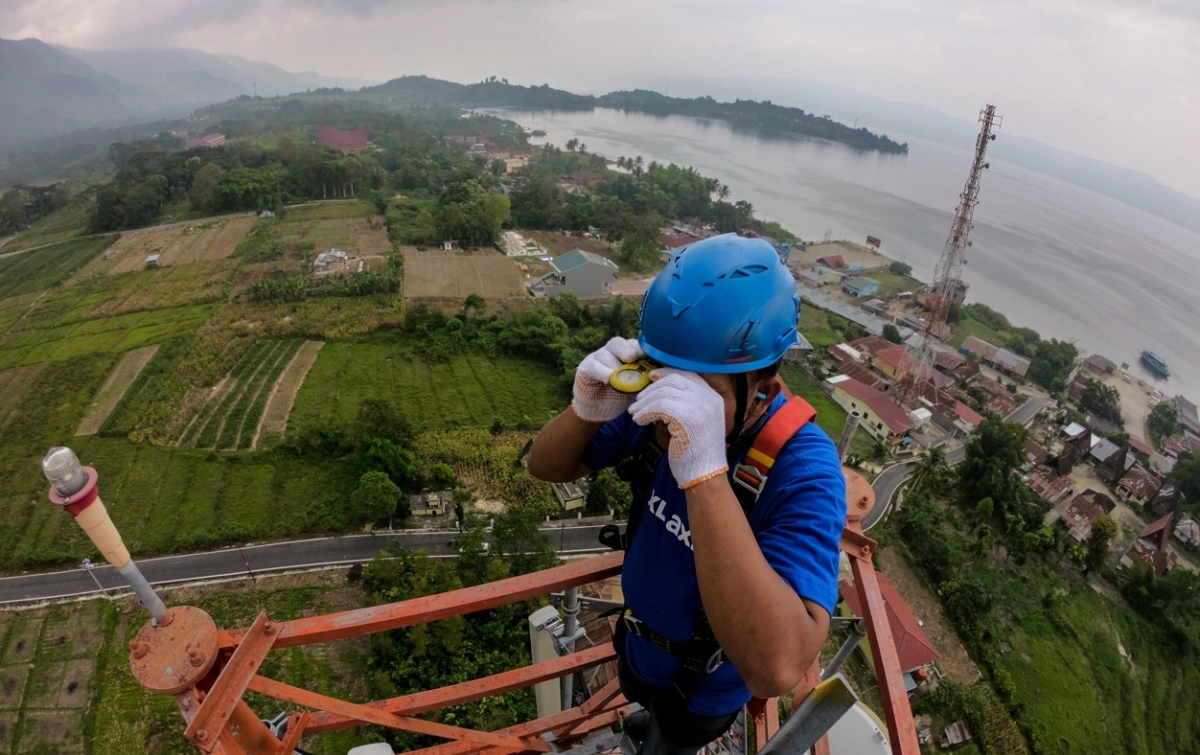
pixel 73 487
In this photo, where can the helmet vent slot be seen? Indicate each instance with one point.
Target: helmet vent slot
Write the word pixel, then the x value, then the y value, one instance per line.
pixel 745 271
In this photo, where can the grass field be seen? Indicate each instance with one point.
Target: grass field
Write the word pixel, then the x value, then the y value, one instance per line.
pixel 106 335
pixel 890 283
pixel 814 324
pixel 65 224
pixel 1095 678
pixel 468 391
pixel 41 269
pixel 65 686
pixel 969 326
pixel 830 416
pixel 163 499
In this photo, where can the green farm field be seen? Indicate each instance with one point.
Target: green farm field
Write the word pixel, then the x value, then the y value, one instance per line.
pixel 467 391
pixel 230 418
pixel 65 686
pixel 164 499
pixel 107 335
pixel 44 268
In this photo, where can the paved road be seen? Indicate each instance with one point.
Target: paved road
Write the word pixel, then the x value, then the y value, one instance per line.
pixel 890 479
pixel 271 557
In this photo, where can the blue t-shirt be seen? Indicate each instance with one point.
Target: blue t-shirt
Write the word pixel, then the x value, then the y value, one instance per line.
pixel 797 521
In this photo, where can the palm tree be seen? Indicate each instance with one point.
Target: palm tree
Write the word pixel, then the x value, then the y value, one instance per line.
pixel 572 144
pixel 638 161
pixel 653 165
pixel 582 148
pixel 621 162
pixel 722 192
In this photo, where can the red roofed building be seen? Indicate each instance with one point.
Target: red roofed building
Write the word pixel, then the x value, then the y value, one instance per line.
pixel 1083 511
pixel 347 141
pixel 1153 548
pixel 834 261
pixel 883 420
pixel 869 346
pixel 1048 484
pixel 677 240
pixel 1138 485
pixel 912 644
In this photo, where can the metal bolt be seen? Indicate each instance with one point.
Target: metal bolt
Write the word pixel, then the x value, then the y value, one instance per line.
pixel 865 550
pixel 862 502
pixel 196 658
pixel 269 628
pixel 202 736
pixel 139 649
pixel 166 619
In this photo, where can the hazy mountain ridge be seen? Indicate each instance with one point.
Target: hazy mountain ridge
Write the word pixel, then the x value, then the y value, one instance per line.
pixel 47 90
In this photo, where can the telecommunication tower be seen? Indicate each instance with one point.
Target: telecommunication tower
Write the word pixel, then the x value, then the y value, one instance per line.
pixel 948 286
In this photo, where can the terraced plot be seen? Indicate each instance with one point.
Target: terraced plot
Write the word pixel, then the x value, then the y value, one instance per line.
pixel 230 418
pixel 204 241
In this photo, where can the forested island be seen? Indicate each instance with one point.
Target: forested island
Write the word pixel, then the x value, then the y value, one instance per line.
pixel 764 118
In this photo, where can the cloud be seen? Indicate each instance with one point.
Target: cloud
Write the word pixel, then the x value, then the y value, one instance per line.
pixel 1113 79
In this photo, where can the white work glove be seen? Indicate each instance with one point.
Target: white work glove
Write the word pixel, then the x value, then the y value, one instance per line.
pixel 595 400
pixel 695 415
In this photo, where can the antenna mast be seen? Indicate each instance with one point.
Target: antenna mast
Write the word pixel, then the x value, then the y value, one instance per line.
pixel 948 286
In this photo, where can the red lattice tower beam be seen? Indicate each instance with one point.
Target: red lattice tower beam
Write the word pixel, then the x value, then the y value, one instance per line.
pixel 947 276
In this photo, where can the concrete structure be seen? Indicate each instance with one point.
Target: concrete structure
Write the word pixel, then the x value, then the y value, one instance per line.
pixel 860 287
pixel 324 262
pixel 570 495
pixel 208 140
pixel 1153 548
pixel 515 164
pixel 1083 511
pixel 514 244
pixel 431 503
pixel 346 141
pixel 152 261
pixel 815 276
pixel 633 289
pixel 1002 359
pixel 578 272
pixel 881 418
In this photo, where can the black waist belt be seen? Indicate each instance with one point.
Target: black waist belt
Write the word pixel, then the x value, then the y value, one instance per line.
pixel 700 656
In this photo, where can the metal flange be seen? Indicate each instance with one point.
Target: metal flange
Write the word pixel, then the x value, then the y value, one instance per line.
pixel 860 496
pixel 175 654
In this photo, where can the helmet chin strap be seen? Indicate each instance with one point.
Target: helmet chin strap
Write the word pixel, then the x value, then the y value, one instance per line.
pixel 740 390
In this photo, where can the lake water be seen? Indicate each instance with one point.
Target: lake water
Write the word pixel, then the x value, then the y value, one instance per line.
pixel 1053 256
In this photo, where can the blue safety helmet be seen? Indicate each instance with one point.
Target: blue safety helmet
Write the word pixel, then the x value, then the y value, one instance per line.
pixel 725 304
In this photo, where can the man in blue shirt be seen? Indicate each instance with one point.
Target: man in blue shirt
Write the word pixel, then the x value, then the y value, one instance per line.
pixel 719 319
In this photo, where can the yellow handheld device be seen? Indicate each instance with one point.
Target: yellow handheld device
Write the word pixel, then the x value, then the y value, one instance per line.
pixel 632 377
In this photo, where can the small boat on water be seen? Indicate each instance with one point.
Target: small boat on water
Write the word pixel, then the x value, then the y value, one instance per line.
pixel 1155 363
pixel 537 132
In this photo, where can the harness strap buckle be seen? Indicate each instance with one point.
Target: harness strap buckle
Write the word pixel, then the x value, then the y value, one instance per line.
pixel 750 478
pixel 632 623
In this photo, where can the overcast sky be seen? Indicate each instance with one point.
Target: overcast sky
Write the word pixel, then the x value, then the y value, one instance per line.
pixel 1116 80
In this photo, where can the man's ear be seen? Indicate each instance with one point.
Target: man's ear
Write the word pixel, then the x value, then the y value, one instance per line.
pixel 771 386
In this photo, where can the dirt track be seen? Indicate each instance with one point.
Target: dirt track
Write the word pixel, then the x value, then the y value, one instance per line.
pixel 283 395
pixel 118 381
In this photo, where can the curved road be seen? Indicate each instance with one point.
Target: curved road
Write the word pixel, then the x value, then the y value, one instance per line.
pixel 269 557
pixel 890 479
